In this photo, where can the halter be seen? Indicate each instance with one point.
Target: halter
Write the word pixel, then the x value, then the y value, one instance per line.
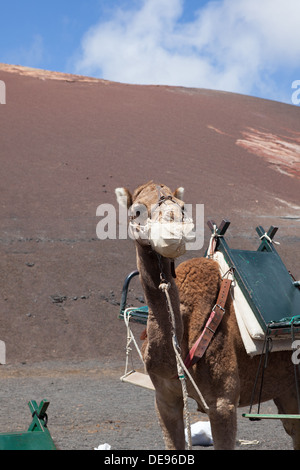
pixel 163 197
pixel 166 235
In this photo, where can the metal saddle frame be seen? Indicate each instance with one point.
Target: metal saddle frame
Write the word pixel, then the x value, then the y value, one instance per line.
pixel 270 289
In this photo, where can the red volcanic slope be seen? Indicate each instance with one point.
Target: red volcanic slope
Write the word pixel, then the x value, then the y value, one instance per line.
pixel 68 141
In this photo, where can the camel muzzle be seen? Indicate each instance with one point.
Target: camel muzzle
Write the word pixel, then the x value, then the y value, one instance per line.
pixel 169 239
pixel 166 228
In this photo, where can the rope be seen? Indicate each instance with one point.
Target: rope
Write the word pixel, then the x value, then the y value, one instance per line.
pixel 266 236
pixel 181 369
pixel 130 338
pixel 267 347
pixel 213 242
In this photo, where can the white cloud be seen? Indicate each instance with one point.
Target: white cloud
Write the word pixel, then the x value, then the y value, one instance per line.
pixel 232 45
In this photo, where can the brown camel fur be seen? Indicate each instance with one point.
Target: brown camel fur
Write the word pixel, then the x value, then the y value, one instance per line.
pixel 226 373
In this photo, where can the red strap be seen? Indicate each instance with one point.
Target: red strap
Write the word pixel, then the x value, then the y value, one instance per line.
pixel 211 326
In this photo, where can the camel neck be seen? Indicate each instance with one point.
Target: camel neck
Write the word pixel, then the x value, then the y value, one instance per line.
pixel 153 270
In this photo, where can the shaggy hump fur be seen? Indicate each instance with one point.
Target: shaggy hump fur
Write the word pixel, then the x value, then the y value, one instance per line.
pixel 198 280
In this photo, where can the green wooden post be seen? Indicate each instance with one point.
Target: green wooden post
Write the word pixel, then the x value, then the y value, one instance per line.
pixel 37 437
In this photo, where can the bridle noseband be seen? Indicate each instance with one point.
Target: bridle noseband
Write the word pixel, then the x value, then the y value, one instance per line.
pixel 163 197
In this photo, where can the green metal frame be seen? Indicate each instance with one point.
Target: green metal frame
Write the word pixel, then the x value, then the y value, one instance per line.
pixel 270 289
pixel 258 416
pixel 37 437
pixel 264 280
pixel 137 314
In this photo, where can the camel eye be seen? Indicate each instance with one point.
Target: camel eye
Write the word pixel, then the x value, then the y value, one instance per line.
pixel 138 213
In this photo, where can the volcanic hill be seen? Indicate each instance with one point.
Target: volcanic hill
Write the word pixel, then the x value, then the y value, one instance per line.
pixel 68 141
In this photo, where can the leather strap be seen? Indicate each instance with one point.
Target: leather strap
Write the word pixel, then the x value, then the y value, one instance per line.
pixel 211 326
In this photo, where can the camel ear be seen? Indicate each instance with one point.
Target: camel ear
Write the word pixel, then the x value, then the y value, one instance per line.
pixel 179 193
pixel 124 197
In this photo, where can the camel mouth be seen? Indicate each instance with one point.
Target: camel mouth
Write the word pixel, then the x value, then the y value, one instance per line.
pixel 169 239
pixel 165 234
pixel 162 223
pixel 159 219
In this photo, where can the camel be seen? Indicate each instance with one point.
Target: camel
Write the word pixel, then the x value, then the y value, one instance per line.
pixel 225 374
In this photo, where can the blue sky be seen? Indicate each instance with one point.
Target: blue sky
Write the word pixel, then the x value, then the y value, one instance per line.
pixel 244 46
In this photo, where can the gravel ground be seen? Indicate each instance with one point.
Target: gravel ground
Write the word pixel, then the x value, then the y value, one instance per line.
pixel 89 406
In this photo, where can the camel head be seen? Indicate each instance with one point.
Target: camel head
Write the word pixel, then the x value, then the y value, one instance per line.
pixel 157 218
